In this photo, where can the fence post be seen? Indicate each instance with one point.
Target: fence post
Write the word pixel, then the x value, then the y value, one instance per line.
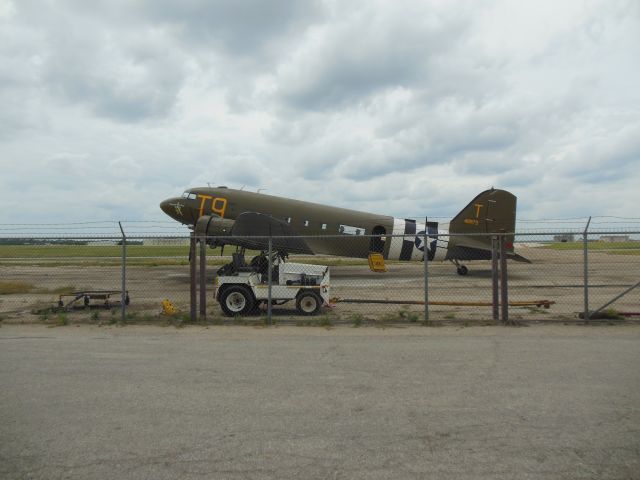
pixel 203 278
pixel 586 269
pixel 426 272
pixel 192 274
pixel 123 294
pixel 494 278
pixel 270 280
pixel 504 287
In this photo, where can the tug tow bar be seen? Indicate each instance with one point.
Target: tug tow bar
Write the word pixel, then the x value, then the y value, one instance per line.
pixel 527 303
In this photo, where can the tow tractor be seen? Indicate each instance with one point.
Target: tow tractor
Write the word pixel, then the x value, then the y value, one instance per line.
pixel 241 288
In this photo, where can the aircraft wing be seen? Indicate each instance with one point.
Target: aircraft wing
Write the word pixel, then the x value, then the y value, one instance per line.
pixel 252 230
pixel 261 226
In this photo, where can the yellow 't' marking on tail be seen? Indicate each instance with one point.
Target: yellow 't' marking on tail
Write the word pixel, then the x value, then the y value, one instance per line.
pixel 478 207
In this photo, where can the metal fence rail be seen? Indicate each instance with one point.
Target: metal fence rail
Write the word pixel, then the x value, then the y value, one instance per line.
pixel 140 278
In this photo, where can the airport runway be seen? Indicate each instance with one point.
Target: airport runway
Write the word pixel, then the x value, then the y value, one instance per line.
pixel 542 402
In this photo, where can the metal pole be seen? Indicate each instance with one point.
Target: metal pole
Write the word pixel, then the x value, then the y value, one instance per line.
pixel 270 280
pixel 586 269
pixel 192 276
pixel 632 287
pixel 504 288
pixel 123 294
pixel 494 278
pixel 203 279
pixel 426 272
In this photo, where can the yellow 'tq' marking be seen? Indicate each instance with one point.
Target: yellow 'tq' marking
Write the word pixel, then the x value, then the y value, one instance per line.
pixel 204 199
pixel 478 207
pixel 219 205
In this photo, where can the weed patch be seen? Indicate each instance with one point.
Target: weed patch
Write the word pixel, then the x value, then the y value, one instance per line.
pixel 8 288
pixel 63 319
pixel 356 319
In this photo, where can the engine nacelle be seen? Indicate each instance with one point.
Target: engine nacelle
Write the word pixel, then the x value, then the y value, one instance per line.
pixel 212 227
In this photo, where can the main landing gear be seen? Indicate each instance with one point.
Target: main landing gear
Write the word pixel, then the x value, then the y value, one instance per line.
pixel 461 269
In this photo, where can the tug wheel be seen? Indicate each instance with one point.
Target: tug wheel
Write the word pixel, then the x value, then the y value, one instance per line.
pixel 236 300
pixel 308 303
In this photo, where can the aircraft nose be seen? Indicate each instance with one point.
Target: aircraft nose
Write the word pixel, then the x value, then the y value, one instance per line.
pixel 164 205
pixel 168 207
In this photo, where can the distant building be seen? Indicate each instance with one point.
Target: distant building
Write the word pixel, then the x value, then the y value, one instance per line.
pixel 615 238
pixel 565 237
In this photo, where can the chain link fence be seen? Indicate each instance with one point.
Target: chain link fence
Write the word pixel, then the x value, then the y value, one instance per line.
pixel 142 278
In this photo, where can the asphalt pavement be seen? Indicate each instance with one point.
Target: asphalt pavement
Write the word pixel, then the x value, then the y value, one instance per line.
pixel 147 402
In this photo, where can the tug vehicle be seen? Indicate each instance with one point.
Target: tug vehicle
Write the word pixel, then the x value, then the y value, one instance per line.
pixel 241 288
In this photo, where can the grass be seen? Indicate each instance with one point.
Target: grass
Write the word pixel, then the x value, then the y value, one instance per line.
pixel 356 319
pixel 59 290
pixel 8 288
pixel 63 319
pixel 91 251
pixel 138 255
pixel 599 246
pixel 403 315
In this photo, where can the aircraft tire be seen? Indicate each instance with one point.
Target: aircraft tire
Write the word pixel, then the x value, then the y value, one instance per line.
pixel 462 270
pixel 308 302
pixel 236 300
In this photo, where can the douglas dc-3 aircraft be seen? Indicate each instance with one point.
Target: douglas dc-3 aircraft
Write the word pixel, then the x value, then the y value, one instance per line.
pixel 232 217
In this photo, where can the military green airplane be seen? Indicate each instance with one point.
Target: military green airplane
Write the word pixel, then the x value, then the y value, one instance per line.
pixel 246 219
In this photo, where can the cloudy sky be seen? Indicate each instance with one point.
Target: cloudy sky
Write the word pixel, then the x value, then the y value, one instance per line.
pixel 399 107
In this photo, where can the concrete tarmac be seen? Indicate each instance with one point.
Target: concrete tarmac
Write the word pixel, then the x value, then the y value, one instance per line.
pixel 147 402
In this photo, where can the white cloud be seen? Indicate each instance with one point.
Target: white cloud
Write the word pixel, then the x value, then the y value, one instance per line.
pixel 405 108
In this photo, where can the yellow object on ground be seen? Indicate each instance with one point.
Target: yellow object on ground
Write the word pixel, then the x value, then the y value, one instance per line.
pixel 376 262
pixel 168 308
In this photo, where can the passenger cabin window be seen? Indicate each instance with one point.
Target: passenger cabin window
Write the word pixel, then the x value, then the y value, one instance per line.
pixel 306 223
pixel 287 219
pixel 351 230
pixel 324 226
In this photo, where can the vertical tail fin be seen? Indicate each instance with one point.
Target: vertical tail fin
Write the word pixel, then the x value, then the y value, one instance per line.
pixel 492 211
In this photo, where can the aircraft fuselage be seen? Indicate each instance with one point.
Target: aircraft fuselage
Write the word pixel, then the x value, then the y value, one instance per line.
pixel 325 228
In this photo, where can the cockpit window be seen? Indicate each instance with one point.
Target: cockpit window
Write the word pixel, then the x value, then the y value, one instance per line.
pixel 185 194
pixel 189 195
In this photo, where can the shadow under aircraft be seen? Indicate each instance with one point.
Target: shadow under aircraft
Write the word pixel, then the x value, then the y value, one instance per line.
pixel 247 219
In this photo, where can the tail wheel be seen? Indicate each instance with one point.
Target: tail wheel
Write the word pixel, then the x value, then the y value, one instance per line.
pixel 462 270
pixel 236 300
pixel 308 303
